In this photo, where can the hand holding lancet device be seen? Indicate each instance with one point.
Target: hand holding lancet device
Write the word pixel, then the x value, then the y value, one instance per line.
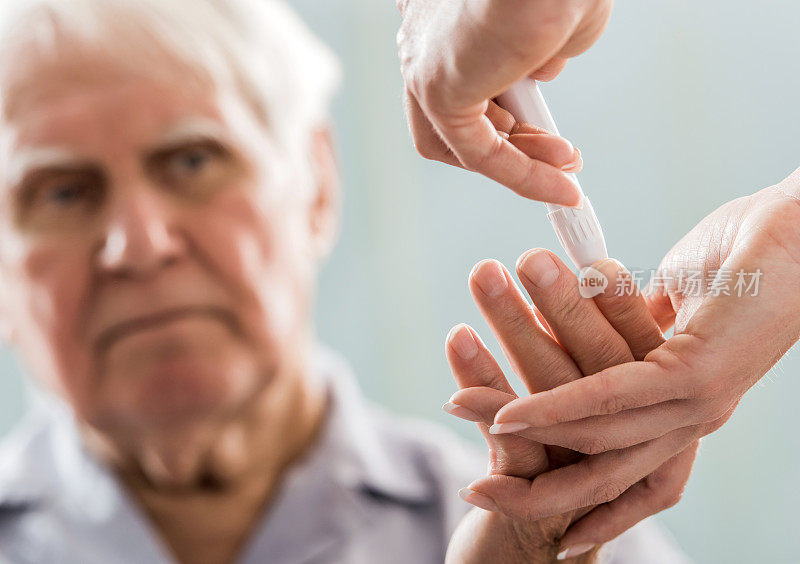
pixel 577 228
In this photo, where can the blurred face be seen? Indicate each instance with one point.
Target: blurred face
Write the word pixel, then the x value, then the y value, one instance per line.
pixel 157 249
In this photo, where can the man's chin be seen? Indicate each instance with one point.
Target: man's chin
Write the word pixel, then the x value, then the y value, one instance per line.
pixel 181 390
pixel 185 370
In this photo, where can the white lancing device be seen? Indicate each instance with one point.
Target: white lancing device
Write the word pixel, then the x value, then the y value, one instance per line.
pixel 577 229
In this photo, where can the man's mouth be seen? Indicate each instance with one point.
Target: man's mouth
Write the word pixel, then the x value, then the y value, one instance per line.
pixel 145 322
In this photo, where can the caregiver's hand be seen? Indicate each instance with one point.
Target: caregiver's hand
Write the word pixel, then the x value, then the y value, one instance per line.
pixel 724 342
pixel 456 56
pixel 592 335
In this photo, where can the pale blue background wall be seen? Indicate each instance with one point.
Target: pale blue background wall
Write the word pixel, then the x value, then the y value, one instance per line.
pixel 682 106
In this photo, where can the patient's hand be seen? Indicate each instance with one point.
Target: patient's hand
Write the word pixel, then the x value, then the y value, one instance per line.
pixel 579 337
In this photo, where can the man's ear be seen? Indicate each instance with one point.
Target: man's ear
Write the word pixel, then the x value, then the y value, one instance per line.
pixel 326 200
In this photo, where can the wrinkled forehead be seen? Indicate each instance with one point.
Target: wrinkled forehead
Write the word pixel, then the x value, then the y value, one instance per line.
pixel 78 84
pixel 32 68
pixel 92 106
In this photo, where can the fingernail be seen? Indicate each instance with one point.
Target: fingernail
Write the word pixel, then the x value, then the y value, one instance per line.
pixel 510 427
pixel 461 411
pixel 539 268
pixel 462 342
pixel 600 265
pixel 619 279
pixel 576 165
pixel 490 278
pixel 478 499
pixel 574 551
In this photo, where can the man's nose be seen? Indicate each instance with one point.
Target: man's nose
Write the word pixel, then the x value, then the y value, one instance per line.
pixel 140 237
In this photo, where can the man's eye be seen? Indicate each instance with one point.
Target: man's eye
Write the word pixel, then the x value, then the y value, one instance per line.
pixel 66 194
pixel 192 161
pixel 196 171
pixel 59 200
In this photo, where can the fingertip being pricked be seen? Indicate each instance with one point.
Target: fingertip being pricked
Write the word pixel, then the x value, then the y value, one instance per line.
pixel 618 278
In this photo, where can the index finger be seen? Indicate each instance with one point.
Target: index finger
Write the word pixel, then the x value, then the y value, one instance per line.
pixel 474 141
pixel 594 480
pixel 627 386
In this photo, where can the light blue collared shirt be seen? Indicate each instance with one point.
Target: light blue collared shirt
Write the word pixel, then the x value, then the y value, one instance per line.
pixel 375 489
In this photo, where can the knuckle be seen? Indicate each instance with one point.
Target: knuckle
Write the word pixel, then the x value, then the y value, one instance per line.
pixel 405 54
pixel 477 161
pixel 609 352
pixel 429 85
pixel 528 514
pixel 662 494
pixel 569 308
pixel 515 322
pixel 612 404
pixel 611 401
pixel 607 490
pixel 412 75
pixel 622 306
pixel 671 499
pixel 592 445
pixel 715 423
pixel 533 177
pixel 426 148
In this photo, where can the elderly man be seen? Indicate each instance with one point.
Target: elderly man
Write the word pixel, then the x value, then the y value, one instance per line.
pixel 168 190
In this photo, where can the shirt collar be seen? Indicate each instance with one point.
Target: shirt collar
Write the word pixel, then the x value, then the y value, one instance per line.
pixel 362 442
pixel 44 458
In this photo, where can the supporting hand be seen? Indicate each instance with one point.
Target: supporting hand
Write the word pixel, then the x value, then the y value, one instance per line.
pixel 728 335
pixel 541 491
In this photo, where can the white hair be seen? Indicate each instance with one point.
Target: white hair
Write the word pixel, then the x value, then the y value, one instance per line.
pixel 260 47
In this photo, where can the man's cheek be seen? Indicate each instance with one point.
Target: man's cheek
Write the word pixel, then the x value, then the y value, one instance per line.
pixel 58 312
pixel 50 345
pixel 49 289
